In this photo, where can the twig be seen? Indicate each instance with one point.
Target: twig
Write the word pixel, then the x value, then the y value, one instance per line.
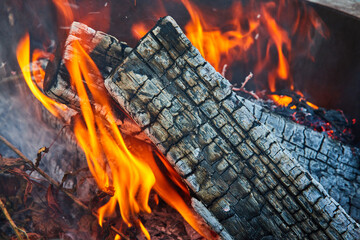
pixel 247 79
pixel 55 183
pixel 12 224
pixel 223 72
pixel 242 88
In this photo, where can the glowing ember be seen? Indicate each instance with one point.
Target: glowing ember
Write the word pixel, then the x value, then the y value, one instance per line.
pixel 282 100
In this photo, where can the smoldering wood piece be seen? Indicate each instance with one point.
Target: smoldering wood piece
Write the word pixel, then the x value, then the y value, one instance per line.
pixel 335 165
pixel 350 7
pixel 107 53
pixel 245 184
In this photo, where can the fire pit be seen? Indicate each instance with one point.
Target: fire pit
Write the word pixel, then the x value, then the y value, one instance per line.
pixel 234 162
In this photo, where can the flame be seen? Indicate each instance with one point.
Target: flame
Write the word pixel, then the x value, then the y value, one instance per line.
pixel 139 30
pixel 216 46
pixel 278 37
pixel 64 9
pixel 132 174
pixel 129 170
pixel 260 32
pixel 23 58
pixel 127 176
pixel 282 100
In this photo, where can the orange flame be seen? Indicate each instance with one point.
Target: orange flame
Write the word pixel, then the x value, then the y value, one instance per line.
pixel 139 30
pixel 252 31
pixel 131 175
pixel 129 171
pixel 280 39
pixel 23 57
pixel 127 175
pixel 216 46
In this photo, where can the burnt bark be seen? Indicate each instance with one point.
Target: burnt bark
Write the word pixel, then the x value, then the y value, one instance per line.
pixel 245 183
pixel 104 50
pixel 107 53
pixel 350 7
pixel 333 164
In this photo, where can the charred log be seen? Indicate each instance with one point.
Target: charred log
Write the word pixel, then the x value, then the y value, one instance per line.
pixel 104 49
pixel 107 53
pixel 350 7
pixel 244 183
pixel 333 164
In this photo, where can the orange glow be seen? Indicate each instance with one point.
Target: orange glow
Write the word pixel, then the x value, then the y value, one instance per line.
pixel 132 174
pixel 261 31
pixel 139 30
pixel 216 46
pixel 281 100
pixel 312 105
pixel 23 58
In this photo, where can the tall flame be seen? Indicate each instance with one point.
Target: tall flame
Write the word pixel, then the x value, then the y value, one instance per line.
pixel 112 164
pixel 258 31
pixel 130 170
pixel 23 57
pixel 127 175
pixel 103 145
pixel 216 46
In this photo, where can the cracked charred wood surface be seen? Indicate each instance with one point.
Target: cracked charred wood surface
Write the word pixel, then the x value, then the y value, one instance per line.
pixel 105 50
pixel 107 53
pixel 350 7
pixel 246 185
pixel 334 165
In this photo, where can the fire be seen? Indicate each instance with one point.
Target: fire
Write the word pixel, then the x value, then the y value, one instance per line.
pixel 23 57
pixel 128 171
pixel 279 38
pixel 216 46
pixel 131 175
pixel 139 30
pixel 131 178
pixel 253 33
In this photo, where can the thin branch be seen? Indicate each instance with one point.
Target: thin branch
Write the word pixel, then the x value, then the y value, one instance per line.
pixel 12 224
pixel 242 88
pixel 223 72
pixel 55 183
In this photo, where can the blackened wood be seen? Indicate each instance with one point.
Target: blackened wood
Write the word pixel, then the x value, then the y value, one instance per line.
pixel 107 53
pixel 350 7
pixel 104 49
pixel 245 184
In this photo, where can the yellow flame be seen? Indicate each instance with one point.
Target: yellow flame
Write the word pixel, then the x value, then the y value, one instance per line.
pixel 23 57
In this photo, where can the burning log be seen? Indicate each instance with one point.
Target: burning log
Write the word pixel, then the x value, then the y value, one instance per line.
pixel 105 50
pixel 245 184
pixel 107 53
pixel 333 164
